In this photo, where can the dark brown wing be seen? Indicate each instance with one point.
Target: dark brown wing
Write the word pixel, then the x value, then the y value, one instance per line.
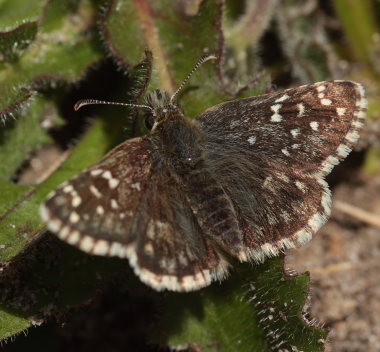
pixel 309 128
pixel 270 155
pixel 122 206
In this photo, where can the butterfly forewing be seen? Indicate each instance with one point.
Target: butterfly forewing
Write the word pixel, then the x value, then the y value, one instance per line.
pixel 270 155
pixel 308 128
pixel 123 207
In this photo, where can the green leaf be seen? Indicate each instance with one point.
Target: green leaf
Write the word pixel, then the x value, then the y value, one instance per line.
pixel 11 325
pixel 177 36
pixel 50 277
pixel 257 309
pixel 18 26
pixel 61 50
pixel 20 138
pixel 13 13
pixel 13 42
pixel 310 56
pixel 358 20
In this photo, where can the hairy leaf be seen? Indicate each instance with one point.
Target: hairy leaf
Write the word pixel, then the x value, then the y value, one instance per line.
pixel 257 309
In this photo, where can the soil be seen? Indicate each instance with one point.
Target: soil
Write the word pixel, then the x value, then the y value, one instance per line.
pixel 343 260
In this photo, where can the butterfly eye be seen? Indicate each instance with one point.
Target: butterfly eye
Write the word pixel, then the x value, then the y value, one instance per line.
pixel 149 120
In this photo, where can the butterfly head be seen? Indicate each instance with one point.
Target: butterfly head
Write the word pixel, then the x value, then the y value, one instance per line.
pixel 161 108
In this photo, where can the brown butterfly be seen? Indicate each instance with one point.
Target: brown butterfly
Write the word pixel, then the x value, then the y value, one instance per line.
pixel 245 179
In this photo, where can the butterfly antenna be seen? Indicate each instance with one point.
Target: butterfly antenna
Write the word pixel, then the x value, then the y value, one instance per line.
pixel 201 61
pixel 84 102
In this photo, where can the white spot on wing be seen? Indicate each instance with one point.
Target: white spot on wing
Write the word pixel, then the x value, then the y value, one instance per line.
pixel 54 225
pixel 100 210
pixel 352 137
pixel 343 150
pixel 301 109
pixel 96 172
pixel 114 204
pixel 340 111
pixel 326 102
pixel 276 117
pixel 251 140
pixel 64 232
pixel 107 175
pixel 303 236
pixel 101 247
pixel 113 183
pixel 95 191
pixel 285 216
pixel 136 186
pixel 314 125
pixel 68 188
pixel 117 250
pixel 74 217
pixel 317 221
pixel 148 249
pixel 86 244
pixel 321 88
pixel 295 132
pixel 76 201
pixel 285 151
pixel 361 89
pixel 301 186
pixel 282 98
pixel 73 237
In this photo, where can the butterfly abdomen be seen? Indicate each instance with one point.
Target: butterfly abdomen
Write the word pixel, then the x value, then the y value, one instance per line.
pixel 213 209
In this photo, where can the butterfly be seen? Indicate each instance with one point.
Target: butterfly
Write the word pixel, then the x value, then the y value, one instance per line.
pixel 245 180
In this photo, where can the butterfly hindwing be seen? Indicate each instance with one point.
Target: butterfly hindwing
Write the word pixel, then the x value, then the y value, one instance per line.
pixel 172 251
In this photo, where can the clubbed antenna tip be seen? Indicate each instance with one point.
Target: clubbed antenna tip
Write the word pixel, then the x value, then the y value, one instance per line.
pixel 201 61
pixel 84 102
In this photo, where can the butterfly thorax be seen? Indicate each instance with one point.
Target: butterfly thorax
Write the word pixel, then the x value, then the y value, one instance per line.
pixel 179 142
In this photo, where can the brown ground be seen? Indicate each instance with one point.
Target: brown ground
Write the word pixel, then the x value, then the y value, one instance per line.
pixel 344 262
